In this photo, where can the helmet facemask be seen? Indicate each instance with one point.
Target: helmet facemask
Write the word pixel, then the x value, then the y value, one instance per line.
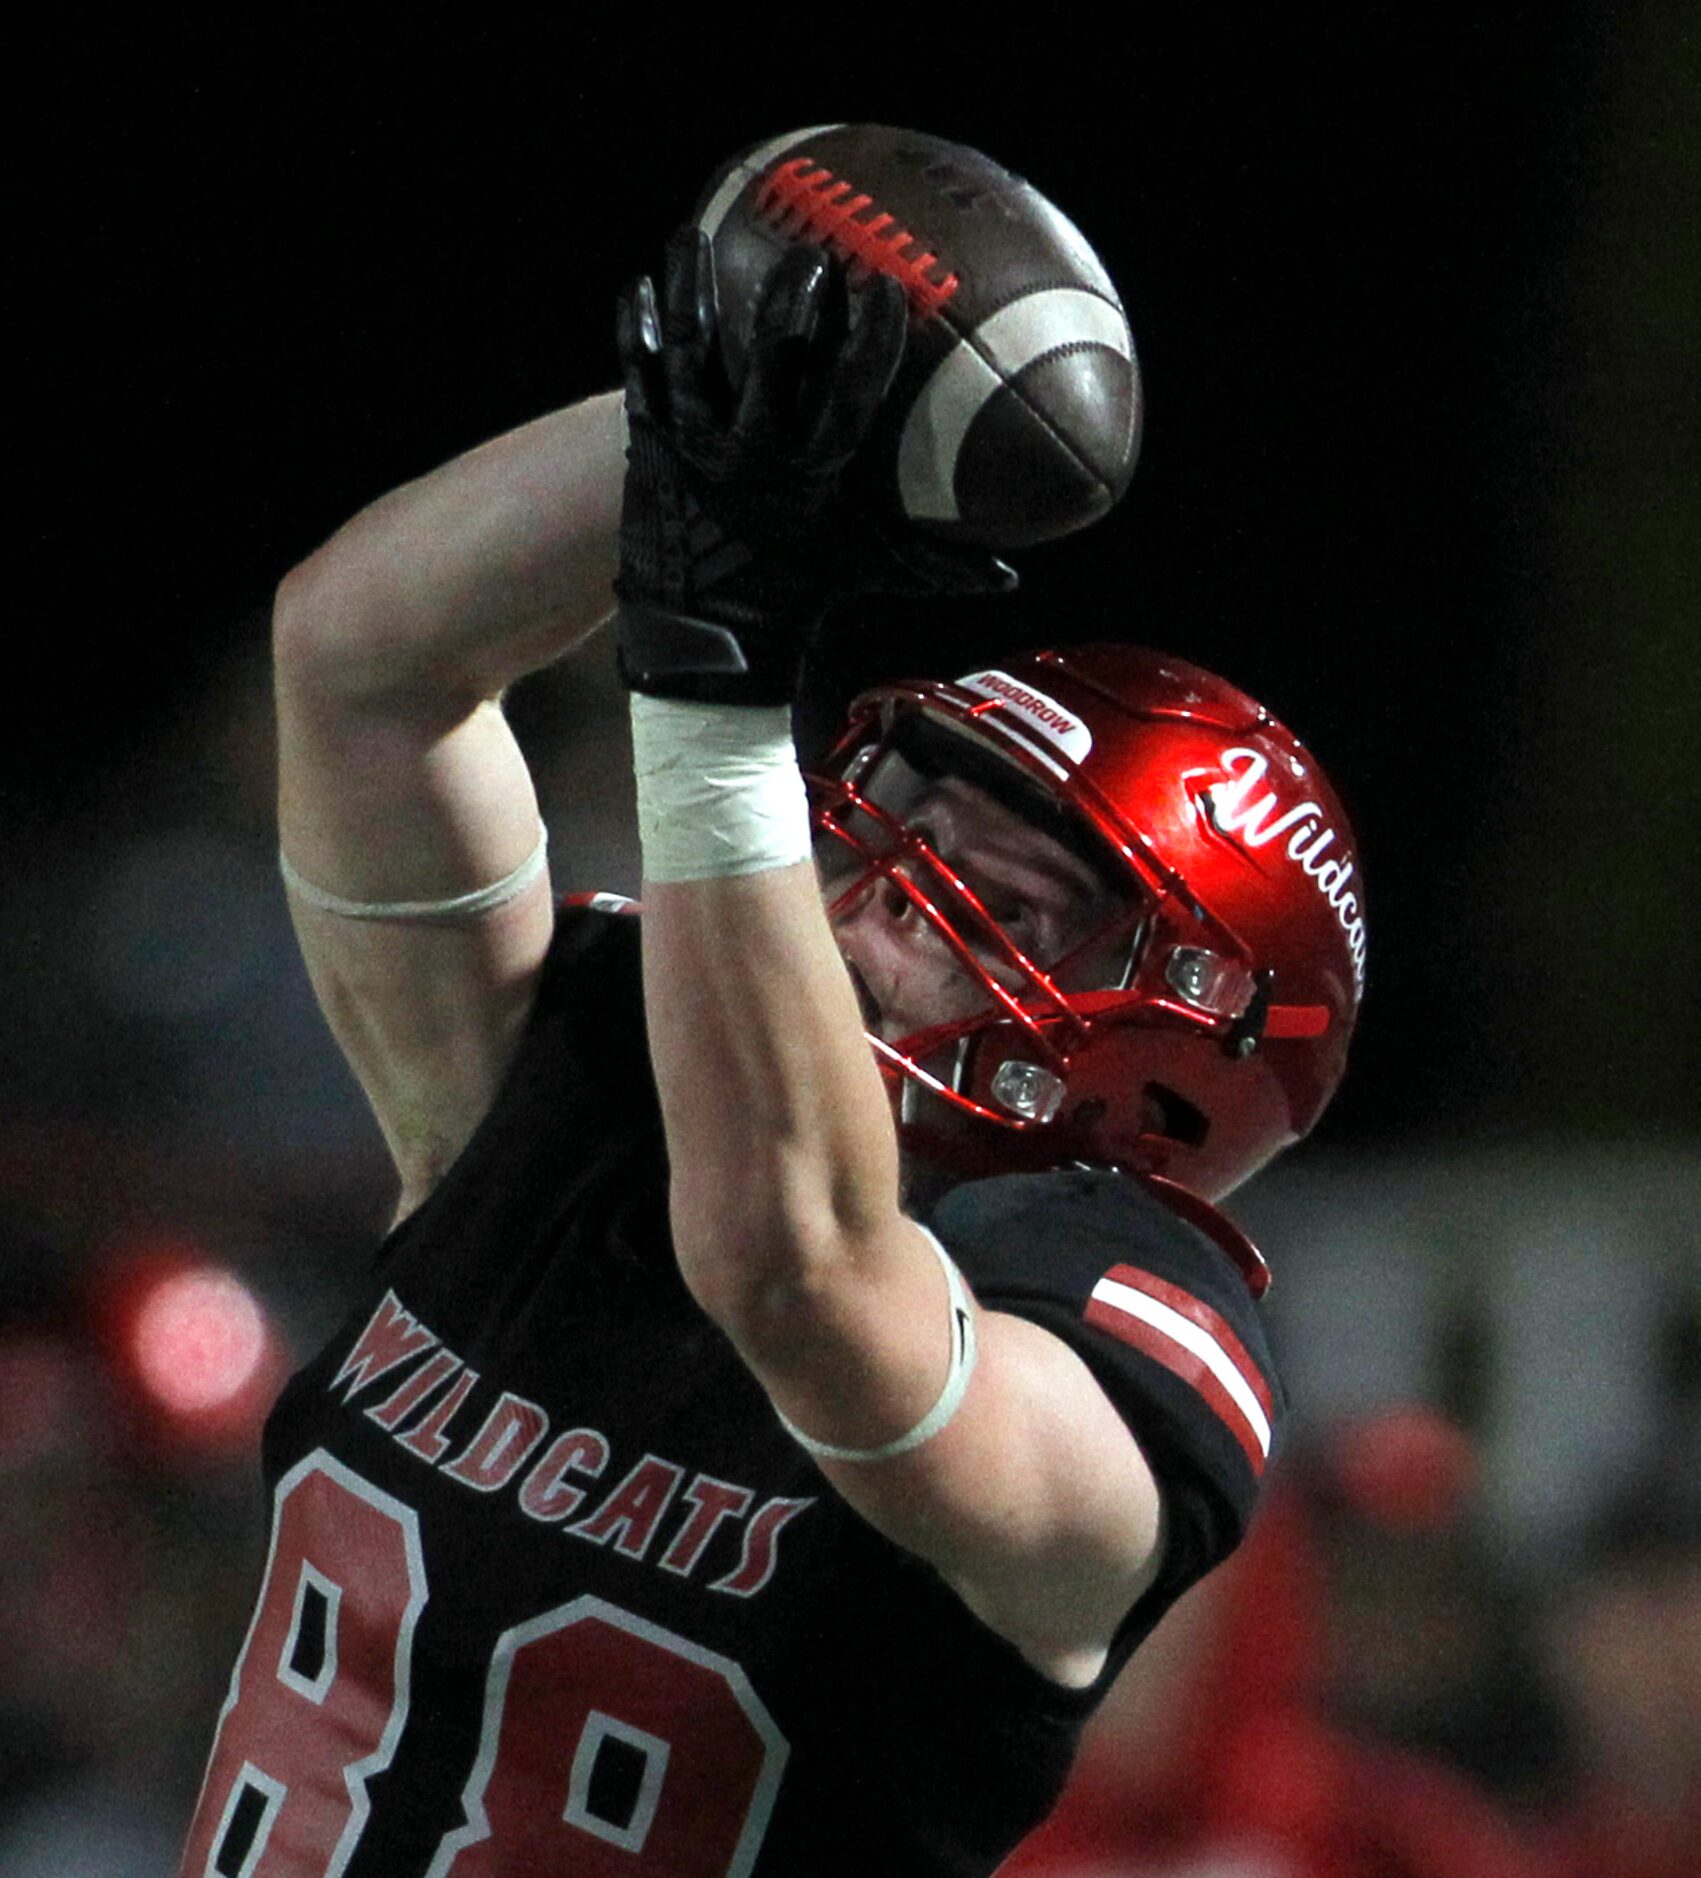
pixel 1039 932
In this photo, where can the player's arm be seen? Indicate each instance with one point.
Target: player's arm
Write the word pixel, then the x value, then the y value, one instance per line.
pixel 400 781
pixel 1033 1499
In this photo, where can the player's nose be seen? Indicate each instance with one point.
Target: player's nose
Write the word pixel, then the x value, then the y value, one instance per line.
pixel 882 904
pixel 894 902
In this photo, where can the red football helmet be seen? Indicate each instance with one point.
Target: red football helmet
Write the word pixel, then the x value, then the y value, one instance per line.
pixel 1202 1024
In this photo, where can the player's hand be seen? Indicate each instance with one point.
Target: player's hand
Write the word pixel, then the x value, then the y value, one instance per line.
pixel 736 531
pixel 728 540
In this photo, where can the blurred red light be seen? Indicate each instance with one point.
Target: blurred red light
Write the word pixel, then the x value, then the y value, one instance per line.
pixel 198 1340
pixel 1408 1468
pixel 192 1348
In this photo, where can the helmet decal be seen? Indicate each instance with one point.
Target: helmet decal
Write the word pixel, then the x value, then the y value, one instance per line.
pixel 1040 714
pixel 1234 813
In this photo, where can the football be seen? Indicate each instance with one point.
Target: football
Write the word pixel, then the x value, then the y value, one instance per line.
pixel 1015 416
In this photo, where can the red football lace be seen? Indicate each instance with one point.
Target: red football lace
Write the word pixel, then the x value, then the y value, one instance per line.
pixel 811 204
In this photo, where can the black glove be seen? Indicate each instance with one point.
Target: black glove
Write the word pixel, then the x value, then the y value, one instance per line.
pixel 736 531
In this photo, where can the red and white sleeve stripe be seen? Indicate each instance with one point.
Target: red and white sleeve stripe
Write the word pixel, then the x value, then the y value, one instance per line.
pixel 1191 1341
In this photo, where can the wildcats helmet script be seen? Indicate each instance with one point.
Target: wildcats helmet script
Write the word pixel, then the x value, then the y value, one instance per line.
pixel 1202 1024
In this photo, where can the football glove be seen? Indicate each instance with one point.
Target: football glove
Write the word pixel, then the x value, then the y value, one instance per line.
pixel 737 531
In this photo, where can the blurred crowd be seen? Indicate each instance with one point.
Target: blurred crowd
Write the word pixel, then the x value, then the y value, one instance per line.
pixel 1364 1693
pixel 1378 1686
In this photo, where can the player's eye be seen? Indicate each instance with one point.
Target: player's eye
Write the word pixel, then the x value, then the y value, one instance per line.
pixel 1017 916
pixel 1012 912
pixel 1033 927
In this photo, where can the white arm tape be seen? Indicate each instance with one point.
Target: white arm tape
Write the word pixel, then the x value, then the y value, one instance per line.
pixel 950 1397
pixel 718 789
pixel 459 906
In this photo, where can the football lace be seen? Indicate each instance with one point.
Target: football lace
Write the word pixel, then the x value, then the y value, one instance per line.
pixel 809 203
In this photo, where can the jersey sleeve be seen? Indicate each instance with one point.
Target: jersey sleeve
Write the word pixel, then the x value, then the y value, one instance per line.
pixel 1161 1317
pixel 577 1108
pixel 582 1069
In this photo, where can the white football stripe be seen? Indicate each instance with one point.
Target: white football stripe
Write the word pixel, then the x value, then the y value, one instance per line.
pixel 968 375
pixel 1183 1330
pixel 752 164
pixel 1019 333
pixel 933 434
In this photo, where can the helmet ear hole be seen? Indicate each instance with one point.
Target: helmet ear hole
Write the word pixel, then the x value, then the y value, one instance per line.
pixel 1174 1117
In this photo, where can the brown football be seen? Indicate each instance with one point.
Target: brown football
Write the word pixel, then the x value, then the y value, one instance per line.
pixel 1015 416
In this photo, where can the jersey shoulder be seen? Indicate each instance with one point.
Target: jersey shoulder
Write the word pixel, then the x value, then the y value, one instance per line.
pixel 578 1097
pixel 587 1019
pixel 1161 1316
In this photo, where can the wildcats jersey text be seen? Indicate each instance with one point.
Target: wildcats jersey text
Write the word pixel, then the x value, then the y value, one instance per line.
pixel 550 1589
pixel 626 1514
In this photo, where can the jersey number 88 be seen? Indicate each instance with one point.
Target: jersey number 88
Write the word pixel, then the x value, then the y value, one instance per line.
pixel 608 1745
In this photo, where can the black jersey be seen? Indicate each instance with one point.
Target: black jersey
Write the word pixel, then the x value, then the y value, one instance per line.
pixel 550 1590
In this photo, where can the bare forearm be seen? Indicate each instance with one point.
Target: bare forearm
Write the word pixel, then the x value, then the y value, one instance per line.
pixel 466 579
pixel 777 1124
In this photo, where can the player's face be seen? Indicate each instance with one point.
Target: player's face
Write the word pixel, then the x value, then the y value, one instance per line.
pixel 1046 898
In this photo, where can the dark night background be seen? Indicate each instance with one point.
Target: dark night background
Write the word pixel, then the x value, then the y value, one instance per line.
pixel 1417 295
pixel 1416 301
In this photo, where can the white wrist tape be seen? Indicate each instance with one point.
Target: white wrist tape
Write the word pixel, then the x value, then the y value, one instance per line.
pixel 719 791
pixel 950 1397
pixel 457 907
